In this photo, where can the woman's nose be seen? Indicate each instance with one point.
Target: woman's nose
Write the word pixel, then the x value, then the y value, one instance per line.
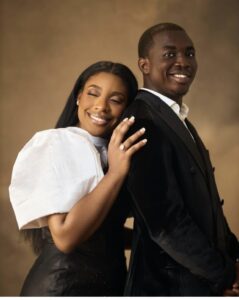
pixel 101 104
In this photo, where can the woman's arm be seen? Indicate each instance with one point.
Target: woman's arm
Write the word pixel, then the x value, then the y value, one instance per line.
pixel 68 230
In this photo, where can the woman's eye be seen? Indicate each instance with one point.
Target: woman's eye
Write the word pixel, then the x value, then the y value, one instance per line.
pixel 115 100
pixel 92 94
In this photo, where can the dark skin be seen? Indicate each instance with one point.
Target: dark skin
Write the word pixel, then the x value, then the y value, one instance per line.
pixel 170 68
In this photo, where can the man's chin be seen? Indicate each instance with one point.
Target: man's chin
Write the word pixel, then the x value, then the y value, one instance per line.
pixel 181 92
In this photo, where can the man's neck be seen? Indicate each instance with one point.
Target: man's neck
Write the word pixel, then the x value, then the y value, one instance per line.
pixel 178 100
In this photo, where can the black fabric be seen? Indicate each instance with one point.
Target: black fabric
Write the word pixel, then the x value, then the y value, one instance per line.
pixel 180 231
pixel 96 267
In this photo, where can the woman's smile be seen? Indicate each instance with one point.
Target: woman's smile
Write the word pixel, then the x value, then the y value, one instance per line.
pixel 98 119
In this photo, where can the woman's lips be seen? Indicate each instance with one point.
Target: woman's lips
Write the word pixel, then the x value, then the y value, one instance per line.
pixel 99 120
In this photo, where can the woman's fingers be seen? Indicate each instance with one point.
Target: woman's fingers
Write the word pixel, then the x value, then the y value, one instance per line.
pixel 135 147
pixel 121 129
pixel 120 151
pixel 130 145
pixel 132 139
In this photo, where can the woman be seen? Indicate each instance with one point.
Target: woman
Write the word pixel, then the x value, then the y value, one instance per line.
pixel 59 187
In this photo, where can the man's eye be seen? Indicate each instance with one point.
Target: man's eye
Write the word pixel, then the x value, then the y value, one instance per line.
pixel 169 54
pixel 190 54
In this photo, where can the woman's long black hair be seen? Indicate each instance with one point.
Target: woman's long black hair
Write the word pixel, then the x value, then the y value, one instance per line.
pixel 69 117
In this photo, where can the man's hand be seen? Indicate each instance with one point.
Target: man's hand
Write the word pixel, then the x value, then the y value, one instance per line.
pixel 234 291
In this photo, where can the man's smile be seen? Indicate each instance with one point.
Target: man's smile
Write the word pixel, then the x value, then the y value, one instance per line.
pixel 180 77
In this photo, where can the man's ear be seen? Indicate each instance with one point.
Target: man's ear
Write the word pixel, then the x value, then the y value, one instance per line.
pixel 144 65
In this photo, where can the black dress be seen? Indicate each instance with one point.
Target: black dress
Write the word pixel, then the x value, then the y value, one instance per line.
pixel 96 268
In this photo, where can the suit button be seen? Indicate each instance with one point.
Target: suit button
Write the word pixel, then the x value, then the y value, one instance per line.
pixel 192 170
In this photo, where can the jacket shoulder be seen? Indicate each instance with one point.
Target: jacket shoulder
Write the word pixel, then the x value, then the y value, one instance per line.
pixel 138 108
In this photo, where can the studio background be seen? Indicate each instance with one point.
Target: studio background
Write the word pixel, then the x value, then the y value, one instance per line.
pixel 45 44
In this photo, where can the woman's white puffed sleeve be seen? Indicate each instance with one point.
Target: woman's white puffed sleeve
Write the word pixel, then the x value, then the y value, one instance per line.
pixel 53 171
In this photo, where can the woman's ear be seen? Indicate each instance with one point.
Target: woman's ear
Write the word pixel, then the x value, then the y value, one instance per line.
pixel 144 65
pixel 78 98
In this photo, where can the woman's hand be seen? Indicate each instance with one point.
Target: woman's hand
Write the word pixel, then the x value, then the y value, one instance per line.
pixel 70 229
pixel 120 151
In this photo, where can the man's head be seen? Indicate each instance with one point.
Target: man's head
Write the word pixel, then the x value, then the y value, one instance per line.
pixel 167 60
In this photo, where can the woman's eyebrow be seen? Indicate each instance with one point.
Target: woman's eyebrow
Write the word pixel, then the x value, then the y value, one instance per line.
pixel 94 86
pixel 118 93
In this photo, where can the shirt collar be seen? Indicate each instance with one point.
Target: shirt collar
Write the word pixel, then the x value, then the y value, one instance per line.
pixel 181 112
pixel 97 141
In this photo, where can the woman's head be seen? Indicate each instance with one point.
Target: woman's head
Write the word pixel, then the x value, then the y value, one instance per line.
pixel 102 92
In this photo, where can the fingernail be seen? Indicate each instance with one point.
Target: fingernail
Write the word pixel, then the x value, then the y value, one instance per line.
pixel 125 119
pixel 144 141
pixel 131 118
pixel 142 130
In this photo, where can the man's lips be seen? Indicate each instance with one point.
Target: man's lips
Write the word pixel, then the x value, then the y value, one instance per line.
pixel 181 78
pixel 99 120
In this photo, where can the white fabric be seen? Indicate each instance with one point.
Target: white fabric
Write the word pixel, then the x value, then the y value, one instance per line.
pixel 53 171
pixel 102 147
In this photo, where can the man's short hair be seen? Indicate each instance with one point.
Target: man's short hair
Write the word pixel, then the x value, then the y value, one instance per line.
pixel 146 40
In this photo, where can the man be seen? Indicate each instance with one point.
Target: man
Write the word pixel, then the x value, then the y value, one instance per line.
pixel 182 243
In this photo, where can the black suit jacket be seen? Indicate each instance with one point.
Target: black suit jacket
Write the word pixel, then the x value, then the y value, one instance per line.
pixel 182 244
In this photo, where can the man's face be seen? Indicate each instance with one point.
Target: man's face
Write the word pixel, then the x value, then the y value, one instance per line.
pixel 171 64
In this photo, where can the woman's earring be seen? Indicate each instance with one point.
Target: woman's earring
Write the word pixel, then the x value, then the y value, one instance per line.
pixel 77 102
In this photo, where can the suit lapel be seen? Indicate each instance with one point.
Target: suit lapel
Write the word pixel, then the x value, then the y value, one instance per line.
pixel 201 147
pixel 162 110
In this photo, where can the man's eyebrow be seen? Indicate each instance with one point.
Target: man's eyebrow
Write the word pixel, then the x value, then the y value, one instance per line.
pixel 169 47
pixel 191 48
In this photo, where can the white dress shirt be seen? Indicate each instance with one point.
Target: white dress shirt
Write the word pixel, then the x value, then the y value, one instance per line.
pixel 52 172
pixel 181 112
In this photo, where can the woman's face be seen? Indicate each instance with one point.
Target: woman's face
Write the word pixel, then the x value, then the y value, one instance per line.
pixel 101 104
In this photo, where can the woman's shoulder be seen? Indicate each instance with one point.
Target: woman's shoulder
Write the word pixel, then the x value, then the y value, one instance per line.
pixel 60 145
pixel 51 173
pixel 55 133
pixel 58 136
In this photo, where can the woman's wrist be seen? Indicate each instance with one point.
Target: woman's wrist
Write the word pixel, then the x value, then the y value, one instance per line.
pixel 114 176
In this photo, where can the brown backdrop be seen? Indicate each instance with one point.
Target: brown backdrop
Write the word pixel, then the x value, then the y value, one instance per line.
pixel 46 43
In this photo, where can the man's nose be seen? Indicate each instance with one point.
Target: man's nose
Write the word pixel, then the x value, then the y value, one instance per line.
pixel 182 60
